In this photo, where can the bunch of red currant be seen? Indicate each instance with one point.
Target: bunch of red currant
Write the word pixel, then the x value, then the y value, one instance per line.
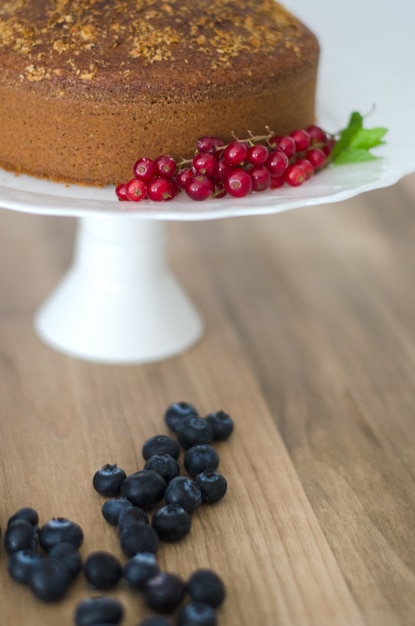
pixel 237 168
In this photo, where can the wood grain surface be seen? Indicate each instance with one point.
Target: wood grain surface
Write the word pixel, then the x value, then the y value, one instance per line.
pixel 309 345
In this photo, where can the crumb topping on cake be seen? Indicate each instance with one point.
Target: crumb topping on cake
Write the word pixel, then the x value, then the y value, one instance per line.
pixel 62 38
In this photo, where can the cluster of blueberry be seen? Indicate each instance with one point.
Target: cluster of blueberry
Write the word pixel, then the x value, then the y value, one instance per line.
pixel 164 592
pixel 204 587
pixel 47 559
pixel 237 168
pixel 173 497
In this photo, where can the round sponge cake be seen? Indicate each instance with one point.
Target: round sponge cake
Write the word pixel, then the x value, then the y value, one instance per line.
pixel 88 87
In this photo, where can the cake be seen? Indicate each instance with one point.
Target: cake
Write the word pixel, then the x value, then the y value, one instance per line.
pixel 88 87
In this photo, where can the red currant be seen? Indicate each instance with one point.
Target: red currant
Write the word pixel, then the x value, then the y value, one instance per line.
pixel 165 166
pixel 161 189
pixel 307 167
pixel 183 176
pixel 235 153
pixel 261 178
pixel 199 187
pixel 329 146
pixel 136 190
pixel 238 183
pixel 294 175
pixel 316 157
pixel 220 191
pixel 302 139
pixel 209 144
pixel 277 182
pixel 277 162
pixel 285 144
pixel 223 169
pixel 317 134
pixel 121 191
pixel 144 168
pixel 257 155
pixel 205 163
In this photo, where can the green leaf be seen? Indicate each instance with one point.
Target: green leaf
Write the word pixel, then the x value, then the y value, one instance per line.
pixel 346 135
pixel 367 138
pixel 354 155
pixel 354 143
pixel 354 124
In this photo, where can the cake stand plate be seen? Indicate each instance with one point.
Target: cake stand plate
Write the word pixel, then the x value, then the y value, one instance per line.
pixel 119 302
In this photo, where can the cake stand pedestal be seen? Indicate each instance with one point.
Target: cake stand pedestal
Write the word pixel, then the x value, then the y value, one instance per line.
pixel 119 302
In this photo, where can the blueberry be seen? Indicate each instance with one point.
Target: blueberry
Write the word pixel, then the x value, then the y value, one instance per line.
pixel 139 569
pixel 98 610
pixel 171 522
pixel 107 481
pixel 68 555
pixel 200 458
pixel 163 464
pixel 144 488
pixel 212 485
pixel 60 529
pixel 194 430
pixel 19 535
pixel 164 592
pixel 155 620
pixel 112 508
pixel 133 514
pixel 176 412
pixel 102 570
pixel 184 491
pixel 197 614
pixel 20 565
pixel 161 444
pixel 138 537
pixel 26 513
pixel 205 586
pixel 49 579
pixel 222 425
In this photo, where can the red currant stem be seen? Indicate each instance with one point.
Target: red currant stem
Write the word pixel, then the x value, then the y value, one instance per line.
pixel 254 139
pixel 251 139
pixel 183 163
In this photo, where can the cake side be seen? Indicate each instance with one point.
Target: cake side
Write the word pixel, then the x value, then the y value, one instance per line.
pixel 84 91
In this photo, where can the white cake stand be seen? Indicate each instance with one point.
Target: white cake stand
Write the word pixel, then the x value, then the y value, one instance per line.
pixel 119 302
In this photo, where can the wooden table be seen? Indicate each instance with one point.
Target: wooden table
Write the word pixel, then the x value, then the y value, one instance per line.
pixel 309 345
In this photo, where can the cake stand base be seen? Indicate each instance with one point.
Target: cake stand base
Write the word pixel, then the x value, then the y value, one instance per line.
pixel 119 303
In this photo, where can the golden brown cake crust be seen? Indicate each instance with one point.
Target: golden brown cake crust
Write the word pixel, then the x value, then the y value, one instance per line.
pixel 106 81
